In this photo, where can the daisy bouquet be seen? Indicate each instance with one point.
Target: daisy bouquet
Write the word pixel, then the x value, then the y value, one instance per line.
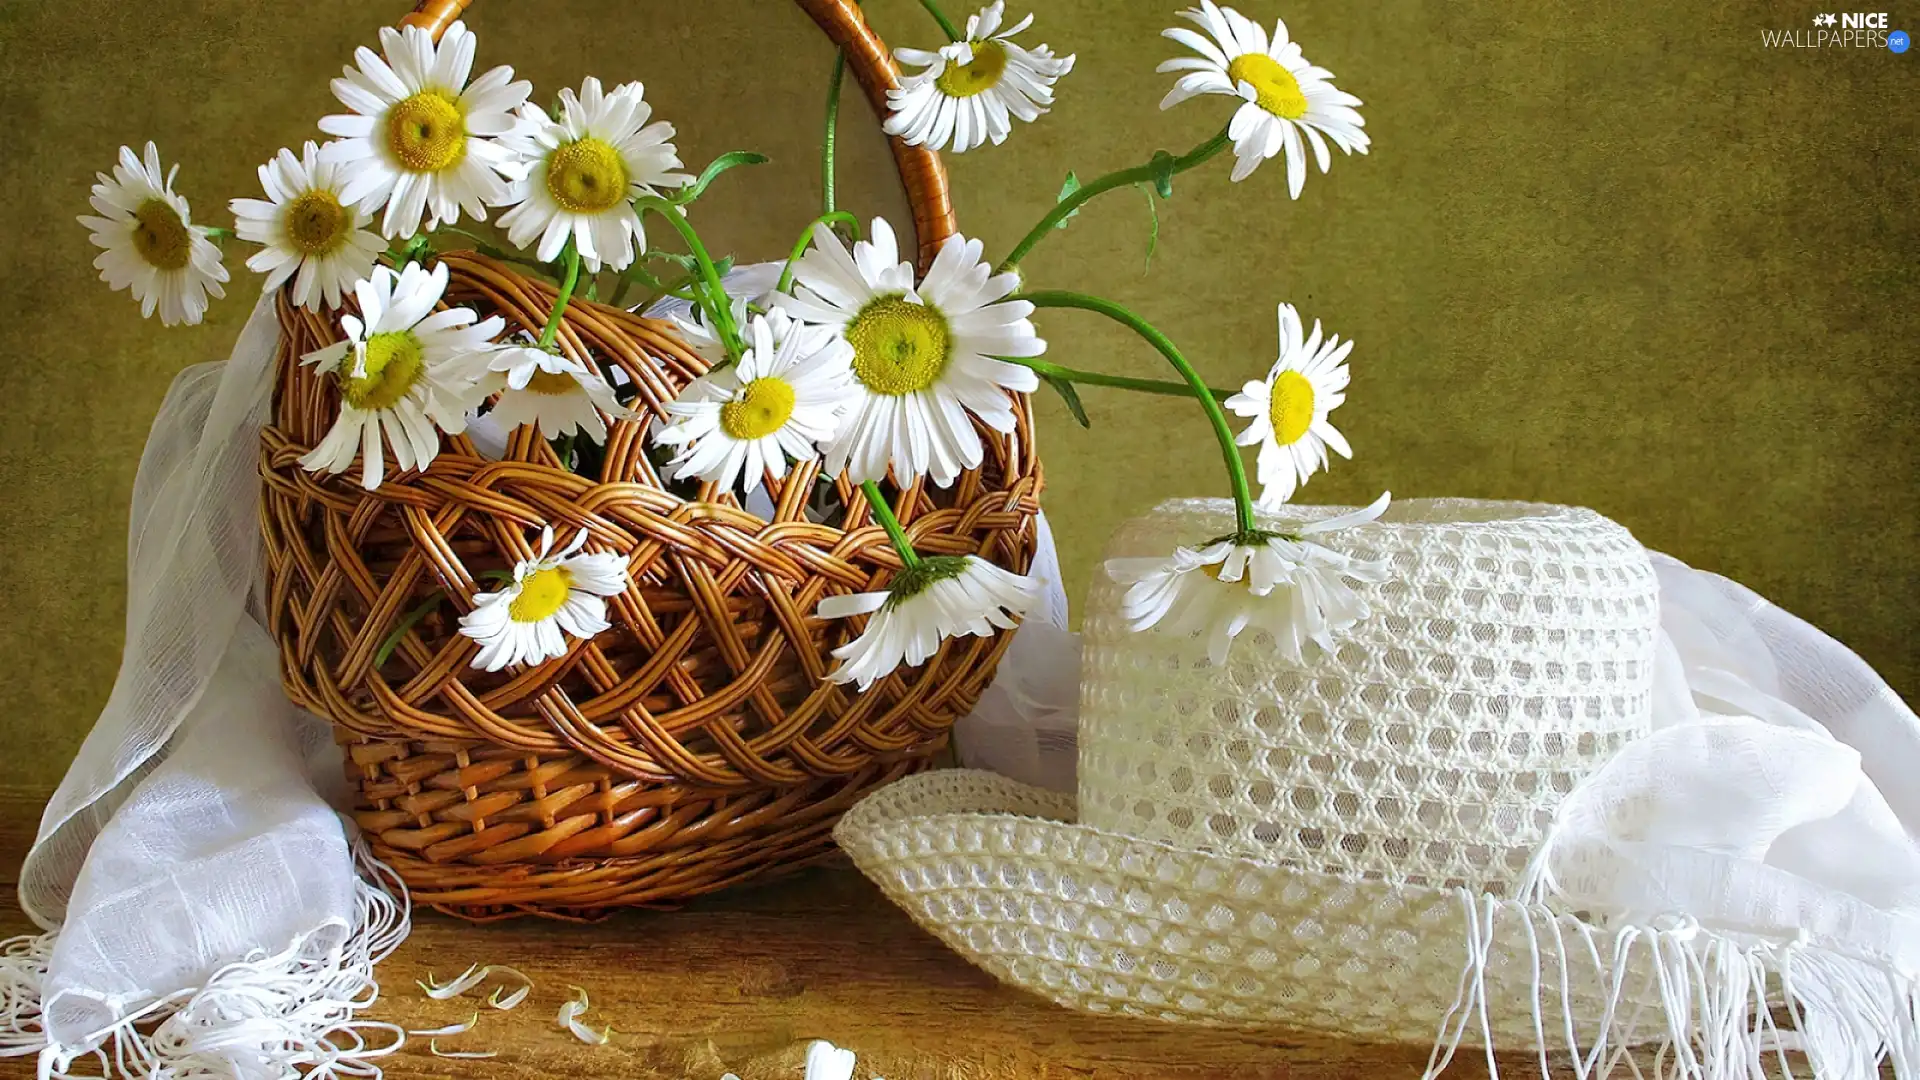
pixel 844 357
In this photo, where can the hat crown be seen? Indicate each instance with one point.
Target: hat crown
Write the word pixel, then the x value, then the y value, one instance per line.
pixel 1508 655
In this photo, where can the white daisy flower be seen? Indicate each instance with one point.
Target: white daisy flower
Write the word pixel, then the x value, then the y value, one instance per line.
pixel 303 226
pixel 923 356
pixel 1288 586
pixel 149 244
pixel 968 90
pixel 1286 98
pixel 784 397
pixel 557 393
pixel 411 368
pixel 943 596
pixel 551 595
pixel 418 138
pixel 580 171
pixel 1289 409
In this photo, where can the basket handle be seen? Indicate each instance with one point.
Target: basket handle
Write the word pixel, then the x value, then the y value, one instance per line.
pixel 921 171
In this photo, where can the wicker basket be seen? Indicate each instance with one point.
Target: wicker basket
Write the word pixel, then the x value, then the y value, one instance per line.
pixel 696 743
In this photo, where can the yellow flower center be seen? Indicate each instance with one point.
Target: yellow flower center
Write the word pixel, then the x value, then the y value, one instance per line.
pixel 394 362
pixel 1274 87
pixel 979 76
pixel 1291 410
pixel 762 407
pixel 160 236
pixel 898 347
pixel 552 383
pixel 587 177
pixel 316 223
pixel 541 594
pixel 427 131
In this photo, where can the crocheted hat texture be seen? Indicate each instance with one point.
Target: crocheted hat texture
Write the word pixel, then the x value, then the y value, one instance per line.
pixel 1509 653
pixel 1279 843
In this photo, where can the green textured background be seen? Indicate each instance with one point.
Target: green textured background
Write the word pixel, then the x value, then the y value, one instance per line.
pixel 1617 255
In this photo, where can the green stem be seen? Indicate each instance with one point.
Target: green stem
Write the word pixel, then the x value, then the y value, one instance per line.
pixel 890 523
pixel 1139 174
pixel 640 274
pixel 552 329
pixel 215 232
pixel 1236 469
pixel 800 246
pixel 1097 378
pixel 493 251
pixel 946 24
pixel 833 124
pixel 407 622
pixel 458 231
pixel 716 304
pixel 412 618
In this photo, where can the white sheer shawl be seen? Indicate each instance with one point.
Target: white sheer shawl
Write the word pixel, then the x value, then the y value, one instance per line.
pixel 202 909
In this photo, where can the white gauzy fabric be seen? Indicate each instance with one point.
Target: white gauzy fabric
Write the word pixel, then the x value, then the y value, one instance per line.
pixel 1773 801
pixel 1024 724
pixel 203 909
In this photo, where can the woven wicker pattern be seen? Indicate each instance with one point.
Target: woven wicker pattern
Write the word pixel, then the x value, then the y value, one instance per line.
pixel 1509 654
pixel 695 743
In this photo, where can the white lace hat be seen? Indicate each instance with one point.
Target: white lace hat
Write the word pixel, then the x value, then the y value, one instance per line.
pixel 1449 828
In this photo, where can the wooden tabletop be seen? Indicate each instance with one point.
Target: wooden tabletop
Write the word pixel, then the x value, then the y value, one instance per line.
pixel 744 980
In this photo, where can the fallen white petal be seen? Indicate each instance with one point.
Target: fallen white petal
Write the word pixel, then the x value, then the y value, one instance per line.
pixel 587 1035
pixel 474 976
pixel 459 985
pixel 433 1046
pixel 826 1061
pixel 451 1029
pixel 510 1000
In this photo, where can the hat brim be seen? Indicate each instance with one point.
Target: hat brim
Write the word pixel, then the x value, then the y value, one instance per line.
pixel 1110 924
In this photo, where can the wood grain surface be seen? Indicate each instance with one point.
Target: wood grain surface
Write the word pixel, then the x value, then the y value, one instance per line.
pixel 742 981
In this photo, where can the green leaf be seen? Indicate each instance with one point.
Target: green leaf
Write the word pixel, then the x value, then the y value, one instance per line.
pixel 723 266
pixel 1162 166
pixel 721 164
pixel 1071 395
pixel 1153 238
pixel 1072 185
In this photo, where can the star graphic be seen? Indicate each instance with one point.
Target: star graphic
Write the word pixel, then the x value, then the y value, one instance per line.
pixel 1831 19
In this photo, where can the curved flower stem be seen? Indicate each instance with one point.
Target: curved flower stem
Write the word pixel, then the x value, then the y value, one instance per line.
pixel 1122 382
pixel 946 24
pixel 716 293
pixel 567 283
pixel 832 131
pixel 680 290
pixel 412 618
pixel 890 523
pixel 1236 469
pixel 800 247
pixel 1139 174
pixel 493 251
